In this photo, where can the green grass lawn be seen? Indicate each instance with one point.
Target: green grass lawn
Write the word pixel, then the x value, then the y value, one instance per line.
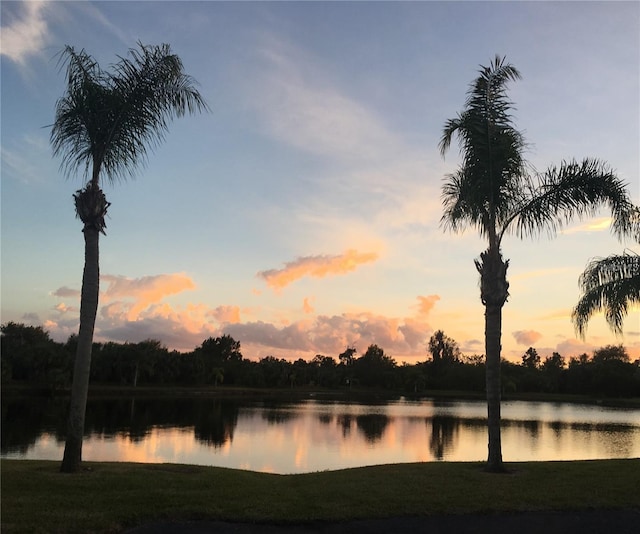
pixel 108 497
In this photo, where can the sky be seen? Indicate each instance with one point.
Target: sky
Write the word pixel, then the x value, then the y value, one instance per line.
pixel 302 214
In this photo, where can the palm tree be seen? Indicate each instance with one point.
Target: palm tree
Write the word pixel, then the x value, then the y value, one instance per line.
pixel 103 125
pixel 611 285
pixel 493 190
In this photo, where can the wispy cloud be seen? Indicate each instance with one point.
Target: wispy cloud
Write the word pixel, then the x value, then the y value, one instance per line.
pixel 316 267
pixel 302 108
pixel 596 225
pixel 27 32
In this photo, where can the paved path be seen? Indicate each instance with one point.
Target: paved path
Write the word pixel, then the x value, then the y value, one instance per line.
pixel 583 522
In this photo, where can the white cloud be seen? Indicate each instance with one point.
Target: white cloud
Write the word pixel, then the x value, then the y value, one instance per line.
pixel 302 109
pixel 27 33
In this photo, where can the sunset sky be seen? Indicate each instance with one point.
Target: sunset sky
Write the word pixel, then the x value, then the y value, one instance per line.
pixel 301 215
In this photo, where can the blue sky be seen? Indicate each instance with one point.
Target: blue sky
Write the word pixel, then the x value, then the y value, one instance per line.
pixel 302 214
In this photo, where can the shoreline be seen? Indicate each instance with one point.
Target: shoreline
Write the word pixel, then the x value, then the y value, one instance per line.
pixel 98 391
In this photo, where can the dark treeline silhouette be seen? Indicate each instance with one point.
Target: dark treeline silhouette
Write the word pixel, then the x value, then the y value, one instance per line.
pixel 30 356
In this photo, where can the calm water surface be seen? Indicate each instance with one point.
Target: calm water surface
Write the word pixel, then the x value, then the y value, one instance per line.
pixel 315 435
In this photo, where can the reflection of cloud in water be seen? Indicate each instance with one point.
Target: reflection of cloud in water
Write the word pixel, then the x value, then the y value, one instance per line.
pixel 313 436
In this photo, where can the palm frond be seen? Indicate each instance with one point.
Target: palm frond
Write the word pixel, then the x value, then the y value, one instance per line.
pixel 493 168
pixel 76 112
pixel 574 190
pixel 610 285
pixel 109 120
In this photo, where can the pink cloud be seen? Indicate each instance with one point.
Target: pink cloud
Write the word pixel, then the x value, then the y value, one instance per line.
pixel 143 291
pixel 330 335
pixel 526 337
pixel 316 267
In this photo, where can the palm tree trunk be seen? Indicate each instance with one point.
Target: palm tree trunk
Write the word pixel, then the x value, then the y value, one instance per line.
pixel 492 334
pixel 80 387
pixel 494 291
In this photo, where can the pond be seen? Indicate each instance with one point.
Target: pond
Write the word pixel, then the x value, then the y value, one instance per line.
pixel 316 435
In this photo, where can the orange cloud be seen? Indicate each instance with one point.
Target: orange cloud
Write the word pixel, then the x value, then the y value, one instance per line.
pixel 316 267
pixel 226 314
pixel 526 337
pixel 427 303
pixel 144 291
pixel 307 306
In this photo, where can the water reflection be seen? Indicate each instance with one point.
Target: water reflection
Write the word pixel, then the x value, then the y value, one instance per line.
pixel 313 435
pixel 372 426
pixel 444 431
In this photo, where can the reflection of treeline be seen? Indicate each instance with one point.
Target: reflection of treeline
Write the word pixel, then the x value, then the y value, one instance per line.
pixel 29 355
pixel 213 421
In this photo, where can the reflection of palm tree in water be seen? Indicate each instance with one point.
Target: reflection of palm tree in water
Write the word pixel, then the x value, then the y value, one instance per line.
pixel 372 426
pixel 344 420
pixel 444 431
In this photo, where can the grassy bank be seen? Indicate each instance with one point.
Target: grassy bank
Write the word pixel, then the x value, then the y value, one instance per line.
pixel 108 497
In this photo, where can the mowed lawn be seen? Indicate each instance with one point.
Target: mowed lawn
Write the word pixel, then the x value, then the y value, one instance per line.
pixel 109 497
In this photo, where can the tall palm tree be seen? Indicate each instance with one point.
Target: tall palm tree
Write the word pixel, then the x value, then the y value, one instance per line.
pixel 610 285
pixel 494 191
pixel 104 124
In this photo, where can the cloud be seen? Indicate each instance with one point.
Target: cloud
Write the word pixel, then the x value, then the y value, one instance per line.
pixel 526 337
pixel 27 33
pixel 304 110
pixel 330 335
pixel 426 304
pixel 596 225
pixel 307 307
pixel 62 308
pixel 143 291
pixel 574 347
pixel 226 314
pixel 66 292
pixel 316 267
pixel 31 318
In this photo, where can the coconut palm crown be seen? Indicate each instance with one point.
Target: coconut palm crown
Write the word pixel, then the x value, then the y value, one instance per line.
pixel 497 192
pixel 104 124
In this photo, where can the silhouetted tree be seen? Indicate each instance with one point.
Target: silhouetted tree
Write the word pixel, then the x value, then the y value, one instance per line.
pixel 103 125
pixel 531 358
pixel 493 191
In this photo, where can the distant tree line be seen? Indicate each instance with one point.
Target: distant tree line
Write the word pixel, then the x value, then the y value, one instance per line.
pixel 29 355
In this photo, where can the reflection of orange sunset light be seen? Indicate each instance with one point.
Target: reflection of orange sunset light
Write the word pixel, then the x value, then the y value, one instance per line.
pixel 310 436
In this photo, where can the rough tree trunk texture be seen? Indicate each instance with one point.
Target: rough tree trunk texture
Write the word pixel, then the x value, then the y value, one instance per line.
pixel 494 290
pixel 80 387
pixel 492 333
